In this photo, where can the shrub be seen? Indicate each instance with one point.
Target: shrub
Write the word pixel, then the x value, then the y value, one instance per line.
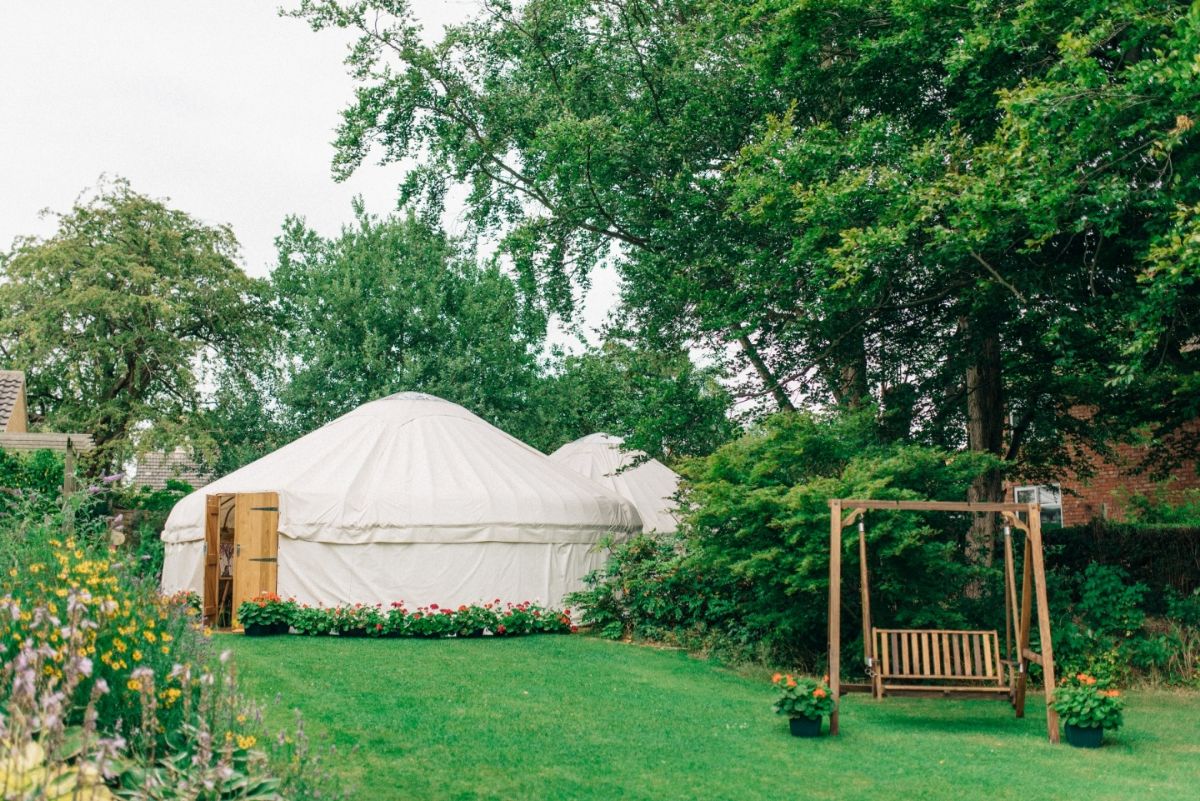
pixel 102 672
pixel 1165 558
pixel 1184 511
pixel 747 575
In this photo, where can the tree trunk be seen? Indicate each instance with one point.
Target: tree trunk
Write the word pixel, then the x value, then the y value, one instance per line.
pixel 850 384
pixel 985 430
pixel 764 373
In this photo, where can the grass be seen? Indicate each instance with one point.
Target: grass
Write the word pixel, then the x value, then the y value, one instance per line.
pixel 543 718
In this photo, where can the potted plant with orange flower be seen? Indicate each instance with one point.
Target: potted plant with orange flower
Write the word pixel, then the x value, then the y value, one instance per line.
pixel 1087 709
pixel 805 701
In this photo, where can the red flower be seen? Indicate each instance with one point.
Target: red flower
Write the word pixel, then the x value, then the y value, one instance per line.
pixel 433 606
pixel 574 629
pixel 462 608
pixel 379 627
pixel 501 629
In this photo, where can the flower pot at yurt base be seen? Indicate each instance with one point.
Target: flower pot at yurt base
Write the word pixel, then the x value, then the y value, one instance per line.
pixel 805 727
pixel 265 629
pixel 1084 736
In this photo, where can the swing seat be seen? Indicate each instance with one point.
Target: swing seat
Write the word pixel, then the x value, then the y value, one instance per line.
pixel 940 663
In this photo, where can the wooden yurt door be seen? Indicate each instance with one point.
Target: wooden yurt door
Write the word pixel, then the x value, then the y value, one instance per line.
pixel 212 545
pixel 256 546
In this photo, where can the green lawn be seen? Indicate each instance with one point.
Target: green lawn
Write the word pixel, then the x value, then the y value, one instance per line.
pixel 580 718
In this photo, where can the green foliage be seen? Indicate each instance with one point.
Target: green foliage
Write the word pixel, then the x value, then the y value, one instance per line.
pixel 29 477
pixel 749 574
pixel 95 656
pixel 1087 704
pixel 1165 558
pixel 801 697
pixel 975 213
pixel 112 315
pixel 1158 510
pixel 658 400
pixel 366 620
pixel 149 509
pixel 267 611
pixel 393 304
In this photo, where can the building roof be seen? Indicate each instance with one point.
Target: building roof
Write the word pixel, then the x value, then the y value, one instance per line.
pixel 12 387
pixel 155 467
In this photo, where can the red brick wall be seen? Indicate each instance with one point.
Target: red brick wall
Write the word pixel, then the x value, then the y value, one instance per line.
pixel 1106 493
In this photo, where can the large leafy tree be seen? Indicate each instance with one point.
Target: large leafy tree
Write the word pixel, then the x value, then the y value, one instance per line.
pixel 392 304
pixel 115 316
pixel 661 403
pixel 975 215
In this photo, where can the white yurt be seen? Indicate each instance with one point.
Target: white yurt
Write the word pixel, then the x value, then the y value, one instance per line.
pixel 650 486
pixel 408 498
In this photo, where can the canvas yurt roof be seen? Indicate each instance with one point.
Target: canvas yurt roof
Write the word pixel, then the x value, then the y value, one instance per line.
pixel 414 498
pixel 650 485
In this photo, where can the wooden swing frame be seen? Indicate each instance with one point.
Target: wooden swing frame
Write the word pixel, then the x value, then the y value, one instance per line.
pixel 845 511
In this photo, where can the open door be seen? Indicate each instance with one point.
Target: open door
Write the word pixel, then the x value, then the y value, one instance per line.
pixel 256 546
pixel 212 540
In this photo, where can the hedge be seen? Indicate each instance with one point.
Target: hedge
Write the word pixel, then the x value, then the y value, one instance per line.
pixel 1163 557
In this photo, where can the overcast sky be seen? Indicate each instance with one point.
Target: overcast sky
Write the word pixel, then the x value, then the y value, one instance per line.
pixel 220 106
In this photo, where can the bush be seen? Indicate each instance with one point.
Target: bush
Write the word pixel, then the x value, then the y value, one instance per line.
pixel 92 648
pixel 1159 511
pixel 149 510
pixel 747 575
pixel 1163 558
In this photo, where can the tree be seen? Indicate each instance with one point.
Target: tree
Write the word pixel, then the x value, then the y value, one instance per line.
pixel 114 316
pixel 661 403
pixel 390 305
pixel 951 210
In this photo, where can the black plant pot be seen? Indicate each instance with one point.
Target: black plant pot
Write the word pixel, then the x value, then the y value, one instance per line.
pixel 1084 736
pixel 265 629
pixel 805 727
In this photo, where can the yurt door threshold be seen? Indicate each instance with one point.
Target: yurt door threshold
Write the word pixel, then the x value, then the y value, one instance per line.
pixel 242 549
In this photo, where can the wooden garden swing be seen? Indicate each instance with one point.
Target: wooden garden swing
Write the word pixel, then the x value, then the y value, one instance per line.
pixel 943 662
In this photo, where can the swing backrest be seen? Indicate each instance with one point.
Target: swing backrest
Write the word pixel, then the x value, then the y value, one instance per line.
pixel 938 654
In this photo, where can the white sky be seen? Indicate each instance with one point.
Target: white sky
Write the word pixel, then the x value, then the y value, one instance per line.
pixel 221 106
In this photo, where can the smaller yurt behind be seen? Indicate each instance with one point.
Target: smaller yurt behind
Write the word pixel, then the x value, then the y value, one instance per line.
pixel 650 486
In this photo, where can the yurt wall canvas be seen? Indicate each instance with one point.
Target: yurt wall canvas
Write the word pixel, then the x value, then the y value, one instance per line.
pixel 412 498
pixel 650 486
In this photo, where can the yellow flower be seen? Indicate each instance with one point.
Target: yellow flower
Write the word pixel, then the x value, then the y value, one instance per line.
pixel 134 685
pixel 166 637
pixel 246 741
pixel 137 655
pixel 150 636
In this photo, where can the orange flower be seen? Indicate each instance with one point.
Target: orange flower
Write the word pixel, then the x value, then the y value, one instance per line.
pixel 819 693
pixel 776 678
pixel 1084 678
pixel 791 682
pixel 1111 693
